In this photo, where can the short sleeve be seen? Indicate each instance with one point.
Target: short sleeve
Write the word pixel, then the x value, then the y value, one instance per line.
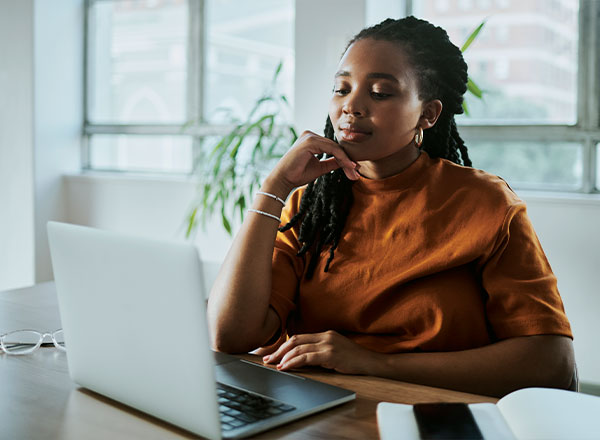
pixel 523 297
pixel 287 267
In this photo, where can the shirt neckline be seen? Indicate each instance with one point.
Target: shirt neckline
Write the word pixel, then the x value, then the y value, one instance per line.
pixel 401 181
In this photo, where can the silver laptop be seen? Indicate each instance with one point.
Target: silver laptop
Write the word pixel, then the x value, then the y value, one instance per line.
pixel 134 319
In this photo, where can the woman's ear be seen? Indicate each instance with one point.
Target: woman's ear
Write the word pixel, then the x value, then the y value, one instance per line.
pixel 430 113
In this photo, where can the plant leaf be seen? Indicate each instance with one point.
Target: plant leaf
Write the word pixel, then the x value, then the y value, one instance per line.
pixel 226 223
pixel 241 203
pixel 248 130
pixel 474 89
pixel 216 197
pixel 257 147
pixel 205 194
pixel 237 146
pixel 472 37
pixel 225 141
pixel 191 223
pixel 465 109
pixel 294 134
pixel 270 126
pixel 273 145
pixel 277 72
pixel 257 104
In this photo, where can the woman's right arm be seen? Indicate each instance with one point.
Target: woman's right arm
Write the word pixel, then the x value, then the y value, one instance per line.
pixel 239 315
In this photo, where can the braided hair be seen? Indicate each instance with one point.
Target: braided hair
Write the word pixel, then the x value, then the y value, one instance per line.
pixel 441 73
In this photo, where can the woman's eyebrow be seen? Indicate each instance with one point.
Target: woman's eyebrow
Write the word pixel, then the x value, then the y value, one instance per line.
pixel 381 75
pixel 377 75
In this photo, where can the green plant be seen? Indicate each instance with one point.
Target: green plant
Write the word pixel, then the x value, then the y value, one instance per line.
pixel 230 170
pixel 471 86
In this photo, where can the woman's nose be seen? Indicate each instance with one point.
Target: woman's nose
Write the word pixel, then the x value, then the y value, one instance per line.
pixel 354 105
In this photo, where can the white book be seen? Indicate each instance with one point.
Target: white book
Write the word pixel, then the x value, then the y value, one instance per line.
pixel 530 413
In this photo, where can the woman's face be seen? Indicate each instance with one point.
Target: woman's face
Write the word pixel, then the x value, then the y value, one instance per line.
pixel 375 108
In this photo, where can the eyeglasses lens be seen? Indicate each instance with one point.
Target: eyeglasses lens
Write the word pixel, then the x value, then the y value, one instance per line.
pixel 21 342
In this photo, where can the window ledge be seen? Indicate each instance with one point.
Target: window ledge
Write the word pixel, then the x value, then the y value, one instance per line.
pixel 116 177
pixel 559 197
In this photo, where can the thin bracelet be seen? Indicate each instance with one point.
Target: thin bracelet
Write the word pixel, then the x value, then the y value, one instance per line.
pixel 274 217
pixel 273 196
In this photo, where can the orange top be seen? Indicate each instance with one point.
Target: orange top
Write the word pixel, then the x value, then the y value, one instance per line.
pixel 437 258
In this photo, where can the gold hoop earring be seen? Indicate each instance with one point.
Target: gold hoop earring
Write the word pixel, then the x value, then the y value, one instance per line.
pixel 419 137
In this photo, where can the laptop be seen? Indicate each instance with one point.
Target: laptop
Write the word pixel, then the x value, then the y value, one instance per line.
pixel 133 313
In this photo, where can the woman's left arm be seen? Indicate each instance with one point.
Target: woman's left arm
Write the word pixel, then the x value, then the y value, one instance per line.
pixel 493 370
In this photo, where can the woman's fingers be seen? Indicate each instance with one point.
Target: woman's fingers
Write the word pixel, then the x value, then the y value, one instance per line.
pixel 294 341
pixel 298 354
pixel 263 351
pixel 302 360
pixel 300 164
pixel 303 351
pixel 328 349
pixel 339 155
pixel 333 163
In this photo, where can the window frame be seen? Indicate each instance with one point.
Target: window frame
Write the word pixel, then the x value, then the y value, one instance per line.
pixel 194 87
pixel 586 130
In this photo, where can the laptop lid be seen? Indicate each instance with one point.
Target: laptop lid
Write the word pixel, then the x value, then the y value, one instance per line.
pixel 133 314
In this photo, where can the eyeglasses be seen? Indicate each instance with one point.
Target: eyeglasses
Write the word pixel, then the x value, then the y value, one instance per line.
pixel 27 341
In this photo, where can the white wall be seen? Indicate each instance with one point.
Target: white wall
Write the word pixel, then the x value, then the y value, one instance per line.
pixel 58 114
pixel 40 125
pixel 568 230
pixel 16 144
pixel 143 206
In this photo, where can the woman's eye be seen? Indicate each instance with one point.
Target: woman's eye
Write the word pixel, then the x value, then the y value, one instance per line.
pixel 380 95
pixel 340 91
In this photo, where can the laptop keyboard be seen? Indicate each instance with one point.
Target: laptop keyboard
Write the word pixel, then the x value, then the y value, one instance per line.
pixel 239 408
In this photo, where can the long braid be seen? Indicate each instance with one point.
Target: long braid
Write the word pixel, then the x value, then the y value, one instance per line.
pixel 442 74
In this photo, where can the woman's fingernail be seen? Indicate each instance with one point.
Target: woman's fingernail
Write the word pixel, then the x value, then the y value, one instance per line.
pixel 266 358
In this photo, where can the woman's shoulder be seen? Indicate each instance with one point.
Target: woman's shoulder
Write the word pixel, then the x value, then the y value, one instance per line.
pixel 473 183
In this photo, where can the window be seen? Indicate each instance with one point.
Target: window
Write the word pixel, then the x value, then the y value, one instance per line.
pixel 540 87
pixel 538 125
pixel 137 62
pixel 154 65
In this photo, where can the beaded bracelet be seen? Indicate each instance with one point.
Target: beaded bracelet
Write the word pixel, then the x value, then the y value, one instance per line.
pixel 273 196
pixel 274 217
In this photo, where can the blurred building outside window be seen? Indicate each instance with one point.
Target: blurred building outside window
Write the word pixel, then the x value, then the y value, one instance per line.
pixel 528 128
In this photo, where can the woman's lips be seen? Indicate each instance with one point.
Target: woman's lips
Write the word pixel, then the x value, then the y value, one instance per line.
pixel 353 135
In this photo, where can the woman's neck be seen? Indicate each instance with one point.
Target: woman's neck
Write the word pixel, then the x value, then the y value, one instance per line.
pixel 391 165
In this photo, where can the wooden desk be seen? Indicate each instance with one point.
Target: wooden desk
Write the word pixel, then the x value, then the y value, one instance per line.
pixel 39 401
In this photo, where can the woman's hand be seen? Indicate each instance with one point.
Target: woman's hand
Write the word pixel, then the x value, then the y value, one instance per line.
pixel 300 164
pixel 329 350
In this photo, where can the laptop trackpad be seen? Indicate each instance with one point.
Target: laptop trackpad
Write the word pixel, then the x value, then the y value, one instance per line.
pixel 256 378
pixel 223 358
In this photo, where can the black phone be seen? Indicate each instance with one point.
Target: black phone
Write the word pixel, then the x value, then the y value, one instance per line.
pixel 446 421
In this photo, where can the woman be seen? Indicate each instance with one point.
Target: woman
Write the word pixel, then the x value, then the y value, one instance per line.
pixel 397 259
